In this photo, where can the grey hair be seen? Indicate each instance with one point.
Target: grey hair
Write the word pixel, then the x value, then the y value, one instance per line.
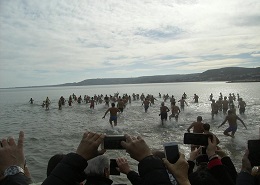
pixel 97 165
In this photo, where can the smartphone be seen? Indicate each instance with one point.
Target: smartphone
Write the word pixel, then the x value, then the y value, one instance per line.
pixel 197 138
pixel 203 151
pixel 254 152
pixel 171 151
pixel 113 166
pixel 113 142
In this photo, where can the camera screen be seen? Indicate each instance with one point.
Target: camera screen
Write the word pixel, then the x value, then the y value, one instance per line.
pixel 113 142
pixel 113 165
pixel 171 152
pixel 254 152
pixel 196 139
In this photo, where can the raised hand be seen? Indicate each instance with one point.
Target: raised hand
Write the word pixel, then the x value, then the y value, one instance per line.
pixel 12 153
pixel 88 147
pixel 136 147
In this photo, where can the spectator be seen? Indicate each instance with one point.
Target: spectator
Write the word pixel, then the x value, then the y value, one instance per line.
pixel 245 177
pixel 179 170
pixel 97 171
pixel 12 162
pixel 53 162
pixel 70 169
pixel 216 173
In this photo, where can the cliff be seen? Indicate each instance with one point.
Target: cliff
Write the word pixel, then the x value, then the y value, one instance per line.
pixel 229 74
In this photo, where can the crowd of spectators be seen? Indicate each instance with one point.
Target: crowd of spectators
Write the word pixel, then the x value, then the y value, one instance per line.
pixel 90 166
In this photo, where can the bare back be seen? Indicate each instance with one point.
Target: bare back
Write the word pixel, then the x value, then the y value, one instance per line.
pixel 232 119
pixel 198 127
pixel 113 111
pixel 164 109
pixel 175 109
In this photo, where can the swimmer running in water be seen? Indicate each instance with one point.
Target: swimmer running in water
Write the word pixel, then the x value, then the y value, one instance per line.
pixel 146 104
pixel 31 101
pixel 113 114
pixel 182 102
pixel 163 112
pixel 232 121
pixel 175 112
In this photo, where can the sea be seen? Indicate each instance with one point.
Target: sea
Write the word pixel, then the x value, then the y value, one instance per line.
pixel 53 131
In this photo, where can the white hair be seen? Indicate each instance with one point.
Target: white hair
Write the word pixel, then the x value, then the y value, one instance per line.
pixel 97 165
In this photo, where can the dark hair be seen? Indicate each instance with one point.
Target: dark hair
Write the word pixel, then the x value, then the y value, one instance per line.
pixel 206 126
pixel 199 118
pixel 54 160
pixel 113 104
pixel 202 177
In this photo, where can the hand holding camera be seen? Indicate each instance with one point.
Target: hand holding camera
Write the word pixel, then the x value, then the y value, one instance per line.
pixel 136 147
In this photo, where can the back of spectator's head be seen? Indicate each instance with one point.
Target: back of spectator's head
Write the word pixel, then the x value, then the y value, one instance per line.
pixel 206 126
pixel 199 118
pixel 54 160
pixel 98 166
pixel 202 177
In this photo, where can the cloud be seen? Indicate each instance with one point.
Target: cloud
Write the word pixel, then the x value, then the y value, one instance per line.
pixel 66 41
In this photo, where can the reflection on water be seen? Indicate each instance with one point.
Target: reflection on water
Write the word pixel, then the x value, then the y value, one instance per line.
pixel 59 131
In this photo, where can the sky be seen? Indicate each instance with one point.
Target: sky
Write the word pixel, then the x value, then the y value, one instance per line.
pixel 62 41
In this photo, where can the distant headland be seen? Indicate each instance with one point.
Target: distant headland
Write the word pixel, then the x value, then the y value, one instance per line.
pixel 228 74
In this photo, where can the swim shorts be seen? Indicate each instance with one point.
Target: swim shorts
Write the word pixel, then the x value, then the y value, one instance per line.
pixel 242 110
pixel 232 129
pixel 164 116
pixel 113 118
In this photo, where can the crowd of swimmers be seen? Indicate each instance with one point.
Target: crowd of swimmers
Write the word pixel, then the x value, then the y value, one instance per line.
pixel 224 104
pixel 90 166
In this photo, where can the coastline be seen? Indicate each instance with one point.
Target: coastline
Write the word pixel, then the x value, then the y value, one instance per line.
pixel 243 81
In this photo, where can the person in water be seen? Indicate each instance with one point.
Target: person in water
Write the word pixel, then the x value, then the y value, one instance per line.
pixel 214 109
pixel 113 114
pixel 31 101
pixel 146 104
pixel 241 106
pixel 163 112
pixel 197 128
pixel 47 103
pixel 182 102
pixel 175 112
pixel 232 121
pixel 196 98
pixel 92 103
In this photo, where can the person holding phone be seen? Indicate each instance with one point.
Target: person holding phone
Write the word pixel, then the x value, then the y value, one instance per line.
pixel 98 171
pixel 179 170
pixel 245 176
pixel 216 173
pixel 71 169
pixel 151 168
pixel 13 168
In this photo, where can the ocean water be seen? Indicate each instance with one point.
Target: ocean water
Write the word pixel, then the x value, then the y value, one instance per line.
pixel 60 131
